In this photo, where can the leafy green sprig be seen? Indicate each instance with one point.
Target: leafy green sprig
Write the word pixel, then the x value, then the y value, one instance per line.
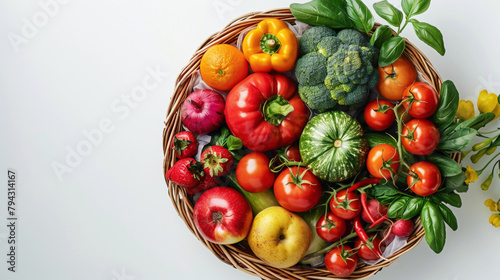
pixel 355 14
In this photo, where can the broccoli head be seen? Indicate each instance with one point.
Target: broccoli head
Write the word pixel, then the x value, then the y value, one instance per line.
pixel 335 68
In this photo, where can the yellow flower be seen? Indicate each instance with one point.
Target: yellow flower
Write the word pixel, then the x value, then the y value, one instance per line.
pixel 488 103
pixel 465 110
pixel 495 220
pixel 491 204
pixel 471 175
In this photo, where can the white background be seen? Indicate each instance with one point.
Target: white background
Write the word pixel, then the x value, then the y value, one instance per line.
pixel 109 217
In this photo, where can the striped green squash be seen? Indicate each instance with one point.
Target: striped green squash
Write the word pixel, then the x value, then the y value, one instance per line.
pixel 333 146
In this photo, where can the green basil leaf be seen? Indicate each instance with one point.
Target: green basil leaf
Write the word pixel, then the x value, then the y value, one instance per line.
pixel 451 198
pixel 391 50
pixel 381 34
pixel 457 140
pixel 448 105
pixel 360 15
pixel 388 12
pixel 448 216
pixel 330 13
pixel 433 223
pixel 414 7
pixel 413 208
pixel 430 35
pixel 234 143
pixel 397 207
pixel 446 165
pixel 456 183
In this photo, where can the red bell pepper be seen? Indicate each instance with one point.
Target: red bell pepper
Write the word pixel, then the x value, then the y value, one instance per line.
pixel 266 112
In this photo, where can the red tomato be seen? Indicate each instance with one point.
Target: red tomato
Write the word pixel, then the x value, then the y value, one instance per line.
pixel 424 178
pixel 425 103
pixel 253 174
pixel 395 78
pixel 297 189
pixel 341 261
pixel 293 153
pixel 365 248
pixel 382 160
pixel 331 228
pixel 375 116
pixel 420 136
pixel 345 205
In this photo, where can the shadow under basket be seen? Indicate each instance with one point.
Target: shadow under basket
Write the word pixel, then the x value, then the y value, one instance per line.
pixel 239 255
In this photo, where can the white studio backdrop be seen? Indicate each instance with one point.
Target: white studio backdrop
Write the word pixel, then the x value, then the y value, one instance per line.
pixel 85 87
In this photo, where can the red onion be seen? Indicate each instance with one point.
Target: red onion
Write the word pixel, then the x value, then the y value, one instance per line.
pixel 203 111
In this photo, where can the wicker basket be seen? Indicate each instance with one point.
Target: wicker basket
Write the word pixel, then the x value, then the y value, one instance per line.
pixel 237 255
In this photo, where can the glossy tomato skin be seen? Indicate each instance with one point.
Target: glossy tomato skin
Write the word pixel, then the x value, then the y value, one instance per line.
pixel 425 136
pixel 379 120
pixel 429 178
pixel 364 251
pixel 298 197
pixel 330 227
pixel 345 206
pixel 246 120
pixel 337 265
pixel 395 78
pixel 253 174
pixel 293 153
pixel 425 103
pixel 377 156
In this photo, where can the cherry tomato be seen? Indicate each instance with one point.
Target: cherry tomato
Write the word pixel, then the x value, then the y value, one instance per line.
pixel 420 136
pixel 341 261
pixel 330 228
pixel 253 174
pixel 424 178
pixel 382 160
pixel 395 78
pixel 425 103
pixel 375 116
pixel 297 189
pixel 345 205
pixel 365 249
pixel 293 153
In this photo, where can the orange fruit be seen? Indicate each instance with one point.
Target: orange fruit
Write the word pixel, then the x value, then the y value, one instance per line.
pixel 223 66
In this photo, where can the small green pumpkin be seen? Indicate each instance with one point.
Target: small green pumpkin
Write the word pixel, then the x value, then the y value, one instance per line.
pixel 333 146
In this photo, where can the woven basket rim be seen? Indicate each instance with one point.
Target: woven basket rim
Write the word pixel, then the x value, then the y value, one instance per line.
pixel 235 255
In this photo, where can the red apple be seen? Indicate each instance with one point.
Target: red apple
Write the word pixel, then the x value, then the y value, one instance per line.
pixel 222 215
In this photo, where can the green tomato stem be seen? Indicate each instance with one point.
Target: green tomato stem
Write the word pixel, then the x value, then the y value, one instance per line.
pixel 399 121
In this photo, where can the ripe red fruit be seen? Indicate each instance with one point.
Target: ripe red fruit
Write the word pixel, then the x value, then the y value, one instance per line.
pixel 186 172
pixel 184 144
pixel 222 215
pixel 217 161
pixel 206 183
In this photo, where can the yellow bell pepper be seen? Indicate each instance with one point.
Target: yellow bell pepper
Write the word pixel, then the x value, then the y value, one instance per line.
pixel 488 103
pixel 271 46
pixel 465 110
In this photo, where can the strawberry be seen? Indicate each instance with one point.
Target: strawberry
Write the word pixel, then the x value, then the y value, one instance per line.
pixel 184 144
pixel 186 172
pixel 206 183
pixel 217 161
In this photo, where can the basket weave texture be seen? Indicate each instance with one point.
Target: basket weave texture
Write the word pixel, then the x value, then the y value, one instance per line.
pixel 239 255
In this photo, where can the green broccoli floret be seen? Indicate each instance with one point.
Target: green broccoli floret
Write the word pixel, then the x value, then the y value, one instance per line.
pixel 318 95
pixel 311 37
pixel 342 66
